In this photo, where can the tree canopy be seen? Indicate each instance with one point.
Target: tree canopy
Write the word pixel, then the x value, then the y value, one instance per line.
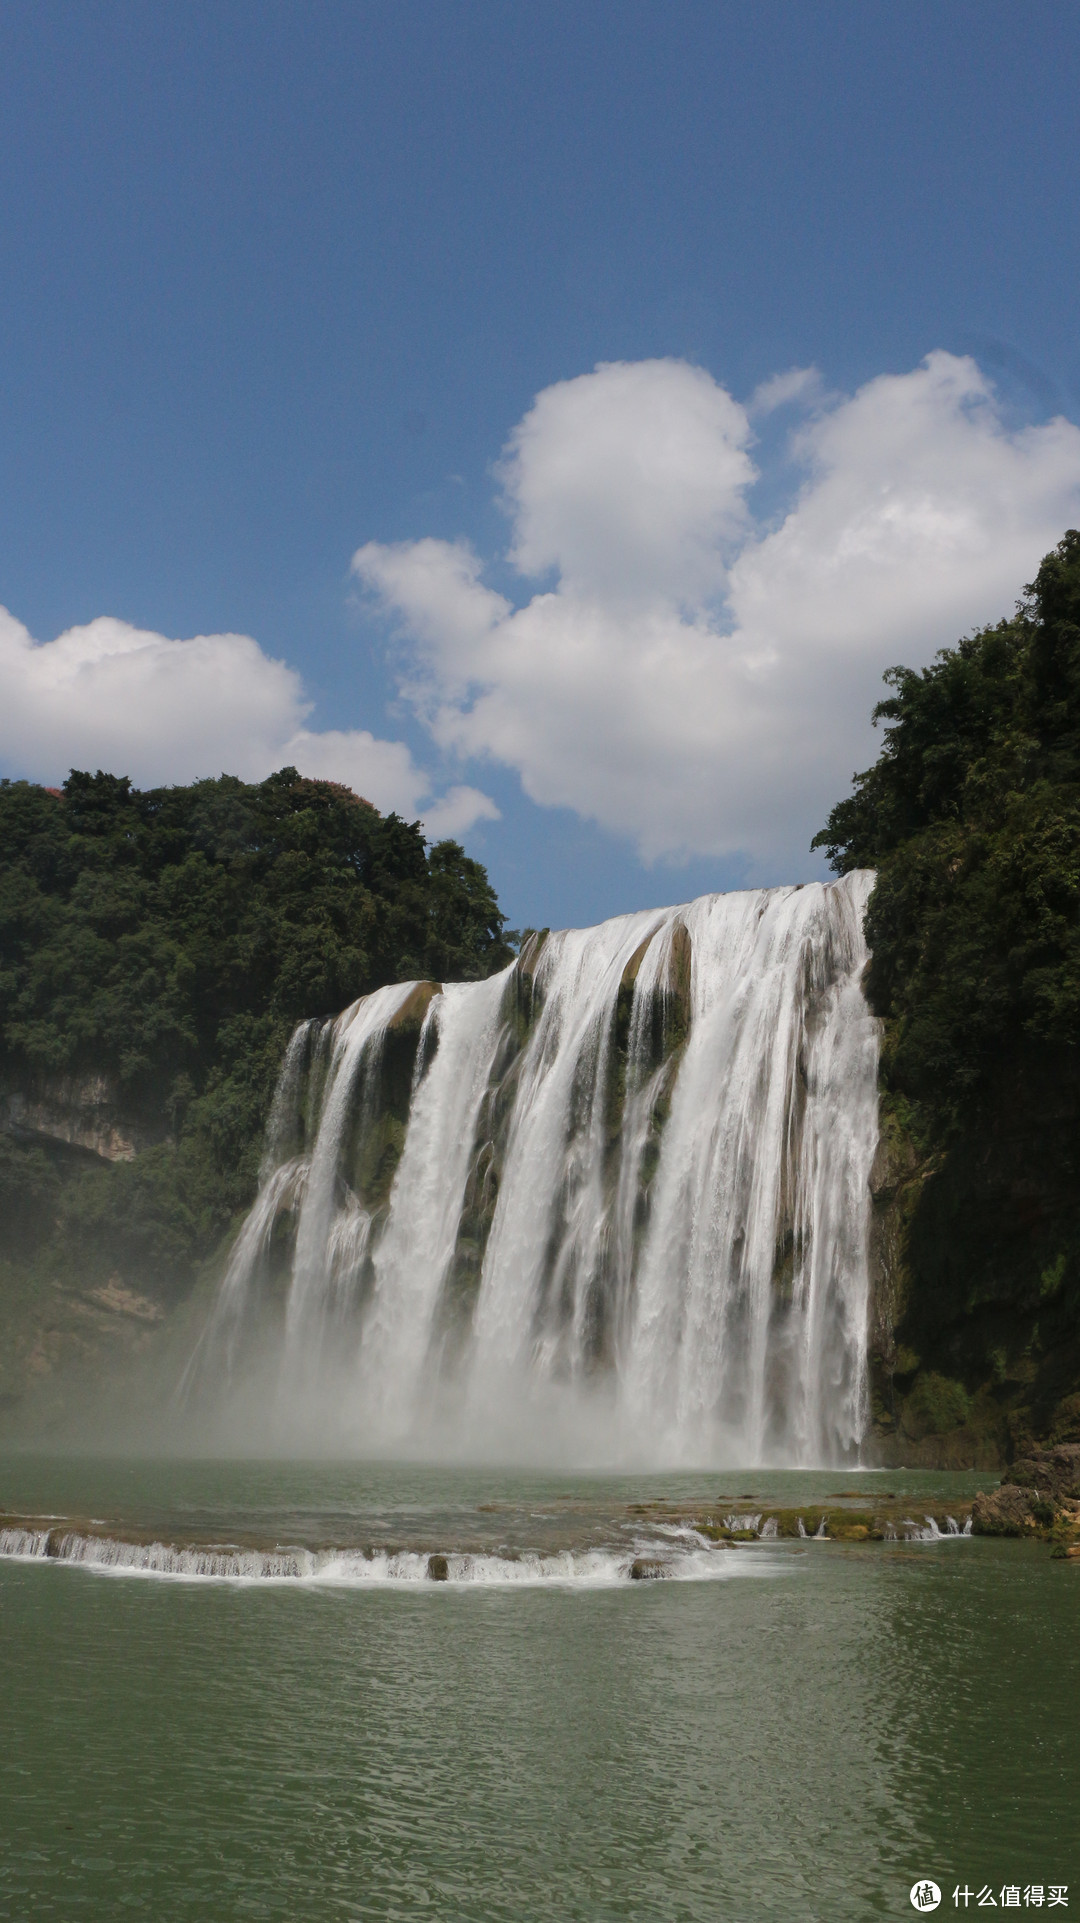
pixel 169 940
pixel 971 816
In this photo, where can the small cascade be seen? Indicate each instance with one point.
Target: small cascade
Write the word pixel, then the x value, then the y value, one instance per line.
pixel 611 1203
pixel 329 1566
pixel 929 1530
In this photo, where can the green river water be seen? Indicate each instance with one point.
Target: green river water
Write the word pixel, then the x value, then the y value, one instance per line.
pixel 793 1730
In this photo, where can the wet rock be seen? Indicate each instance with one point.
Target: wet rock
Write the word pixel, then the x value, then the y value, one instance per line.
pixel 1007 1511
pixel 415 1006
pixel 647 1569
pixel 438 1569
pixel 1053 1473
pixel 1039 1492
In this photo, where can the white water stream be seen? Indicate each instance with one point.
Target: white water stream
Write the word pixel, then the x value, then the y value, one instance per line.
pixel 612 1203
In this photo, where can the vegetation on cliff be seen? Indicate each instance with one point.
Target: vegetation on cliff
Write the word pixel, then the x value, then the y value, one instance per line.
pixel 156 950
pixel 971 816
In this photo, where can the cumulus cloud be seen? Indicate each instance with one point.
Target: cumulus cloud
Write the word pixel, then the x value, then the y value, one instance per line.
pixel 113 696
pixel 683 675
pixel 629 482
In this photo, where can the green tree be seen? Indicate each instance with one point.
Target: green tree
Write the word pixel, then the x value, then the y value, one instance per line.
pixel 169 940
pixel 971 818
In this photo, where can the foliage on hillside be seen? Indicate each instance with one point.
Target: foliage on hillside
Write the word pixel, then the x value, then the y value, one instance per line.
pixel 169 941
pixel 971 816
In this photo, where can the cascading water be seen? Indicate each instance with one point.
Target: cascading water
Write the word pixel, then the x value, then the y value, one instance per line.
pixel 610 1203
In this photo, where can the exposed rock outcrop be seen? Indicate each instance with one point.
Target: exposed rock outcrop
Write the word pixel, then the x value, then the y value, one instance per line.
pixel 1050 1473
pixel 1007 1511
pixel 80 1111
pixel 1039 1493
pixel 648 1569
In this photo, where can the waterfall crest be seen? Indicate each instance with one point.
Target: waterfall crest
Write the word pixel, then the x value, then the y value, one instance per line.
pixel 613 1202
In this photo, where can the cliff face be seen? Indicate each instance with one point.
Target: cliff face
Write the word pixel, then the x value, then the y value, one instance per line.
pixel 973 1350
pixel 975 1328
pixel 71 1318
pixel 973 1346
pixel 78 1111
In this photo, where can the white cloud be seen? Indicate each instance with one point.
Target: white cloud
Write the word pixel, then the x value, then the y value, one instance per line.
pixel 689 679
pixel 629 481
pixel 111 696
pixel 802 384
pixel 684 676
pixel 457 810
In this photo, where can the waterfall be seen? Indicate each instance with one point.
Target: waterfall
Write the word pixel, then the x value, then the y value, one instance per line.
pixel 613 1201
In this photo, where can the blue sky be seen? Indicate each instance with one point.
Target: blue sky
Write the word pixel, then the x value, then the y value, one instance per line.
pixel 282 282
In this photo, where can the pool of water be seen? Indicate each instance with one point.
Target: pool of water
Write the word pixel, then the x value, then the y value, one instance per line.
pixel 804 1731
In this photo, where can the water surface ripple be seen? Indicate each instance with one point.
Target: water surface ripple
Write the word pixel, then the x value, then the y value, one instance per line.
pixel 802 1745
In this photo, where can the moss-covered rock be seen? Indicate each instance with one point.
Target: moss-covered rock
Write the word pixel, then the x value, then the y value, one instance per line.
pixel 1039 1496
pixel 936 1406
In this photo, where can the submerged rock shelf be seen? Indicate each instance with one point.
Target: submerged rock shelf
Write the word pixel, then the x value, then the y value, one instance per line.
pixel 644 1542
pixel 889 1519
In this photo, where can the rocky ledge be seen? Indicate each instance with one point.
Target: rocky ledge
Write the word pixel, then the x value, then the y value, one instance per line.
pixel 1039 1496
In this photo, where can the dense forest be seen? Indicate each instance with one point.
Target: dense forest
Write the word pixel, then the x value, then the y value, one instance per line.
pixel 156 950
pixel 971 817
